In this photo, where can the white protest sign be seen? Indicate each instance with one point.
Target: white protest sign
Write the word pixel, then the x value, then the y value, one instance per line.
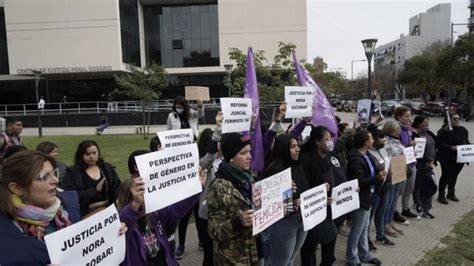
pixel 314 206
pixel 306 133
pixel 410 154
pixel 93 241
pixel 345 198
pixel 299 100
pixel 420 147
pixel 465 154
pixel 175 138
pixel 363 111
pixel 270 199
pixel 237 113
pixel 170 175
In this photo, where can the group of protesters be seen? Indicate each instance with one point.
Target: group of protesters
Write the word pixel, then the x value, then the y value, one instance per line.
pixel 40 195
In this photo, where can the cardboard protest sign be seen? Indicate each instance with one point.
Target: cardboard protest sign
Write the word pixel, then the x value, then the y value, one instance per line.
pixel 271 197
pixel 465 154
pixel 93 241
pixel 197 93
pixel 170 175
pixel 410 154
pixel 398 169
pixel 420 147
pixel 175 138
pixel 299 100
pixel 345 198
pixel 237 113
pixel 314 206
pixel 363 111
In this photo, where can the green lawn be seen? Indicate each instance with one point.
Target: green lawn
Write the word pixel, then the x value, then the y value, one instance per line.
pixel 114 148
pixel 458 246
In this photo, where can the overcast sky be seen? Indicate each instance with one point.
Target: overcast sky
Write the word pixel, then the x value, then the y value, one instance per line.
pixel 335 27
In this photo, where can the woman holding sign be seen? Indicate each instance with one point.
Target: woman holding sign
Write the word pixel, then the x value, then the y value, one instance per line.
pixel 447 154
pixel 287 235
pixel 31 207
pixel 95 181
pixel 364 167
pixel 316 161
pixel 183 116
pixel 230 205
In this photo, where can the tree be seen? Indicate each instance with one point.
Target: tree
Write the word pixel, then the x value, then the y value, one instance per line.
pixel 142 85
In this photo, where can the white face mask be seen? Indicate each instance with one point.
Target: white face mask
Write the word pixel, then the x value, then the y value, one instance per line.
pixel 179 110
pixel 330 145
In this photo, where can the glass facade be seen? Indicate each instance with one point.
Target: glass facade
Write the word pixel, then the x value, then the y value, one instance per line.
pixel 182 36
pixel 130 32
pixel 4 68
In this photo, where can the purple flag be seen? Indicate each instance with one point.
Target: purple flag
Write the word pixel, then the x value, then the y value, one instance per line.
pixel 322 109
pixel 251 91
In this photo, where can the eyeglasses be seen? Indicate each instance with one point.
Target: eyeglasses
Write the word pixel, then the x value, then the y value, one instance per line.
pixel 47 176
pixel 455 118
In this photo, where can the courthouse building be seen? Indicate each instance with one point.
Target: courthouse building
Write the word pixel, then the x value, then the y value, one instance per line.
pixel 79 45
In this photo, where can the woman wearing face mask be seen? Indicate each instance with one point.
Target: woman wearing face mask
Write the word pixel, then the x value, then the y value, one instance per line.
pixel 229 203
pixel 287 235
pixel 380 196
pixel 183 116
pixel 315 159
pixel 421 130
pixel 95 181
pixel 30 208
pixel 52 150
pixel 447 154
pixel 364 167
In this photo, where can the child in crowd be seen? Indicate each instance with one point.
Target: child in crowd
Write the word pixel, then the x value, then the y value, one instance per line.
pixel 425 178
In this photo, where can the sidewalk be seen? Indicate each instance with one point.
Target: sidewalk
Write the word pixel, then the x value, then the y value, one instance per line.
pixel 420 236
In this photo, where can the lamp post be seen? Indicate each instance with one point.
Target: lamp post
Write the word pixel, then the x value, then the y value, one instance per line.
pixel 369 47
pixel 228 69
pixel 352 74
pixel 37 77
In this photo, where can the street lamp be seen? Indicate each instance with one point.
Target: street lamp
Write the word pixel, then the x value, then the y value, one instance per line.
pixel 37 76
pixel 352 74
pixel 228 70
pixel 369 47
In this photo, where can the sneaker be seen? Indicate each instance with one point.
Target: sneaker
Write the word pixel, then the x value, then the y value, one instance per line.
pixel 390 232
pixel 179 252
pixel 385 241
pixel 398 230
pixel 399 219
pixel 452 197
pixel 201 246
pixel 372 247
pixel 374 261
pixel 442 200
pixel 409 214
pixel 428 215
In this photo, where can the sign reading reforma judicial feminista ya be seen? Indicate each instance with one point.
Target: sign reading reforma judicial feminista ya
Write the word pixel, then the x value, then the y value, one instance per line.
pixel 93 241
pixel 175 138
pixel 237 113
pixel 299 100
pixel 465 154
pixel 345 198
pixel 271 197
pixel 170 175
pixel 314 206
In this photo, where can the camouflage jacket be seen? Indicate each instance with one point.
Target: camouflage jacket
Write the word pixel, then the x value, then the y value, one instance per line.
pixel 233 243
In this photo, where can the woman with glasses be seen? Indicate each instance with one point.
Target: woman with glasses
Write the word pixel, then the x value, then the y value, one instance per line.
pixel 448 140
pixel 52 150
pixel 95 181
pixel 30 208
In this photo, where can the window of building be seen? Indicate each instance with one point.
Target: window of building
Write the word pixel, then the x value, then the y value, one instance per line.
pixel 182 36
pixel 130 32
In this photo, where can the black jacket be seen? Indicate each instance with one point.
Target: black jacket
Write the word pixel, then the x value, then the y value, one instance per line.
pixel 357 168
pixel 448 138
pixel 73 180
pixel 425 181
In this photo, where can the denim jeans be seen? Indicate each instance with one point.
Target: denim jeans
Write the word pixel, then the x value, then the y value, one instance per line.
pixel 377 212
pixel 391 206
pixel 357 244
pixel 409 187
pixel 286 238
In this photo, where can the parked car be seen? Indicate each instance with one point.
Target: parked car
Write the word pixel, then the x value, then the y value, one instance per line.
pixel 388 107
pixel 415 105
pixel 433 109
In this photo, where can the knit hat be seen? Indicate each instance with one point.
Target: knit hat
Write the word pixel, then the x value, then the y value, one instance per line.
pixel 232 143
